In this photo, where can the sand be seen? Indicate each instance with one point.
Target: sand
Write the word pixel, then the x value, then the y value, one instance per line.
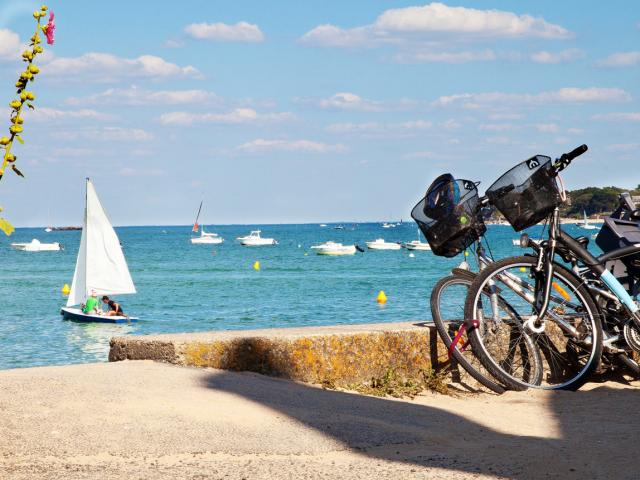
pixel 139 420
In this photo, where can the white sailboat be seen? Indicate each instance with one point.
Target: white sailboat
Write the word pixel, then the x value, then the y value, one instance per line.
pixel 585 224
pixel 100 267
pixel 417 244
pixel 206 238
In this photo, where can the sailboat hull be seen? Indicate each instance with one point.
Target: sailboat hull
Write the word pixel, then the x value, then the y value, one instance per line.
pixel 76 315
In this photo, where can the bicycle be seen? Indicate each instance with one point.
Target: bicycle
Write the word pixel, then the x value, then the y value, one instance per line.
pixel 558 309
pixel 451 216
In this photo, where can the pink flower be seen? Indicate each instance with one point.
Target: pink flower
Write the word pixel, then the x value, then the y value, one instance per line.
pixel 49 29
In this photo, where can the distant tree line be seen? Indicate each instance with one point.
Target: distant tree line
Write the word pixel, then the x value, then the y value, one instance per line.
pixel 594 200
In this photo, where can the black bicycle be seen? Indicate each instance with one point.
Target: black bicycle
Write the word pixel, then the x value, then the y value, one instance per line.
pixel 558 309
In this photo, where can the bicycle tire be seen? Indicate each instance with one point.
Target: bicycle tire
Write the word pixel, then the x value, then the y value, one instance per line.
pixel 445 332
pixel 582 294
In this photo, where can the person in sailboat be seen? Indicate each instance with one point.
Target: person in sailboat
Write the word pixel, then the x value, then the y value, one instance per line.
pixel 92 306
pixel 115 310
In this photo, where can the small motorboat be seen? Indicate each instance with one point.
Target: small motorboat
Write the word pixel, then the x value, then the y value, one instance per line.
pixel 380 244
pixel 100 266
pixel 36 245
pixel 339 227
pixel 323 225
pixel 334 248
pixel 48 229
pixel 417 245
pixel 207 238
pixel 388 225
pixel 255 240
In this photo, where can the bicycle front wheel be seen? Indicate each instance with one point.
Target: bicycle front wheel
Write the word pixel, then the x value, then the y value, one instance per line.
pixel 568 337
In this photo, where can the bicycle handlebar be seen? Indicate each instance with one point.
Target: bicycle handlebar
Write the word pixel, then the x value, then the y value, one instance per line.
pixel 566 158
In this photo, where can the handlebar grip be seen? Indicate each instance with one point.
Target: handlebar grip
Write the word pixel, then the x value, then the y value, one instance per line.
pixel 576 152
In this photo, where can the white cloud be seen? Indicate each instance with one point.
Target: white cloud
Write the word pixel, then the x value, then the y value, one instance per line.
pixel 624 147
pixel 221 32
pixel 505 116
pixel 618 117
pixel 352 102
pixel 139 96
pixel 9 44
pixel 418 155
pixel 563 56
pixel 102 67
pixel 44 114
pixel 621 59
pixel 496 127
pixel 376 129
pixel 547 127
pixel 564 95
pixel 433 21
pixel 306 146
pixel 234 117
pixel 445 57
pixel 106 134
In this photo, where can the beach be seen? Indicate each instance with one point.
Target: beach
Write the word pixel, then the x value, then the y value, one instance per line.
pixel 145 420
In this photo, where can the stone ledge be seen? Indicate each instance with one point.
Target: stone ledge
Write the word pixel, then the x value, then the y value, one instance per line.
pixel 340 354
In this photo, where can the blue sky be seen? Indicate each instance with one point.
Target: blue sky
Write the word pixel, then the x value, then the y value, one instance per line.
pixel 313 111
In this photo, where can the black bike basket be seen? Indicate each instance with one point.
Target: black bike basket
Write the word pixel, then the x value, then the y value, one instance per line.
pixel 448 216
pixel 527 193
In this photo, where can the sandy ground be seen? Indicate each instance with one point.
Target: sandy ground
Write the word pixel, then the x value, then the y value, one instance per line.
pixel 139 420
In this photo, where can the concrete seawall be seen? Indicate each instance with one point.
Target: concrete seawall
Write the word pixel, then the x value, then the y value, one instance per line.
pixel 334 354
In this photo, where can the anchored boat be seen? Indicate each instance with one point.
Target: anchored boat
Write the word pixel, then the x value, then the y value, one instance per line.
pixel 255 240
pixel 36 245
pixel 380 244
pixel 333 248
pixel 207 238
pixel 100 267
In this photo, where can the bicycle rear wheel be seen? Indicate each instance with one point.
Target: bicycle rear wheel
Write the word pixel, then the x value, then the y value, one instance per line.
pixel 447 311
pixel 570 341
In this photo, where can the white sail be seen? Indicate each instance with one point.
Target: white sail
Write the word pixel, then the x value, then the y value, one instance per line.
pixel 101 265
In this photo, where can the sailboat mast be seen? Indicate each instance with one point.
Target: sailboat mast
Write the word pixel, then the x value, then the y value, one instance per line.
pixel 198 215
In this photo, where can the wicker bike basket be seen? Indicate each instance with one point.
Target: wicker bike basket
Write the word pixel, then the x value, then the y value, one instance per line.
pixel 527 193
pixel 448 216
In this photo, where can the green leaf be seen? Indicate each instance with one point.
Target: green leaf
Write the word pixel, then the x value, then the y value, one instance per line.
pixel 17 137
pixel 18 172
pixel 6 226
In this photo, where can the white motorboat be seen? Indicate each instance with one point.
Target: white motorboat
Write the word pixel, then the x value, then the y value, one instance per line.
pixel 516 241
pixel 48 229
pixel 585 224
pixel 100 267
pixel 323 225
pixel 207 238
pixel 333 248
pixel 255 240
pixel 417 245
pixel 380 244
pixel 36 245
pixel 388 225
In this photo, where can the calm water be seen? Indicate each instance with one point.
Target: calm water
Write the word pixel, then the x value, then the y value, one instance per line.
pixel 187 288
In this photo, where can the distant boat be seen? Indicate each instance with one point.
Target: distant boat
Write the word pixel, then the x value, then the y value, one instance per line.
pixel 255 240
pixel 323 224
pixel 48 229
pixel 417 244
pixel 36 245
pixel 585 224
pixel 339 227
pixel 380 244
pixel 333 248
pixel 388 225
pixel 516 241
pixel 207 238
pixel 100 267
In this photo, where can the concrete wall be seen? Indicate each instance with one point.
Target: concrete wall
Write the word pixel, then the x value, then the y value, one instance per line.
pixel 335 354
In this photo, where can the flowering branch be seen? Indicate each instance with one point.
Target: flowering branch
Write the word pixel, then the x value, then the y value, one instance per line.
pixel 25 97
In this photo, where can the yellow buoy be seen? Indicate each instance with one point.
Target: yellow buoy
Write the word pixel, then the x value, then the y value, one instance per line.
pixel 256 265
pixel 65 289
pixel 466 254
pixel 382 298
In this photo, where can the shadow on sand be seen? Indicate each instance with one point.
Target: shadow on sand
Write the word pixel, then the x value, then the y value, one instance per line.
pixel 595 435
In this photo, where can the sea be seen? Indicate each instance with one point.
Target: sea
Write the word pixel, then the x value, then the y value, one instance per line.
pixel 182 287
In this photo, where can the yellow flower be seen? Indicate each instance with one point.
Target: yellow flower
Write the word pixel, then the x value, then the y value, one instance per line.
pixel 33 69
pixel 15 128
pixel 15 104
pixel 10 158
pixel 44 8
pixel 30 96
pixel 4 141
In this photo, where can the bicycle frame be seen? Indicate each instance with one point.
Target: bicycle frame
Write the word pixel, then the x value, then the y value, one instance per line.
pixel 545 268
